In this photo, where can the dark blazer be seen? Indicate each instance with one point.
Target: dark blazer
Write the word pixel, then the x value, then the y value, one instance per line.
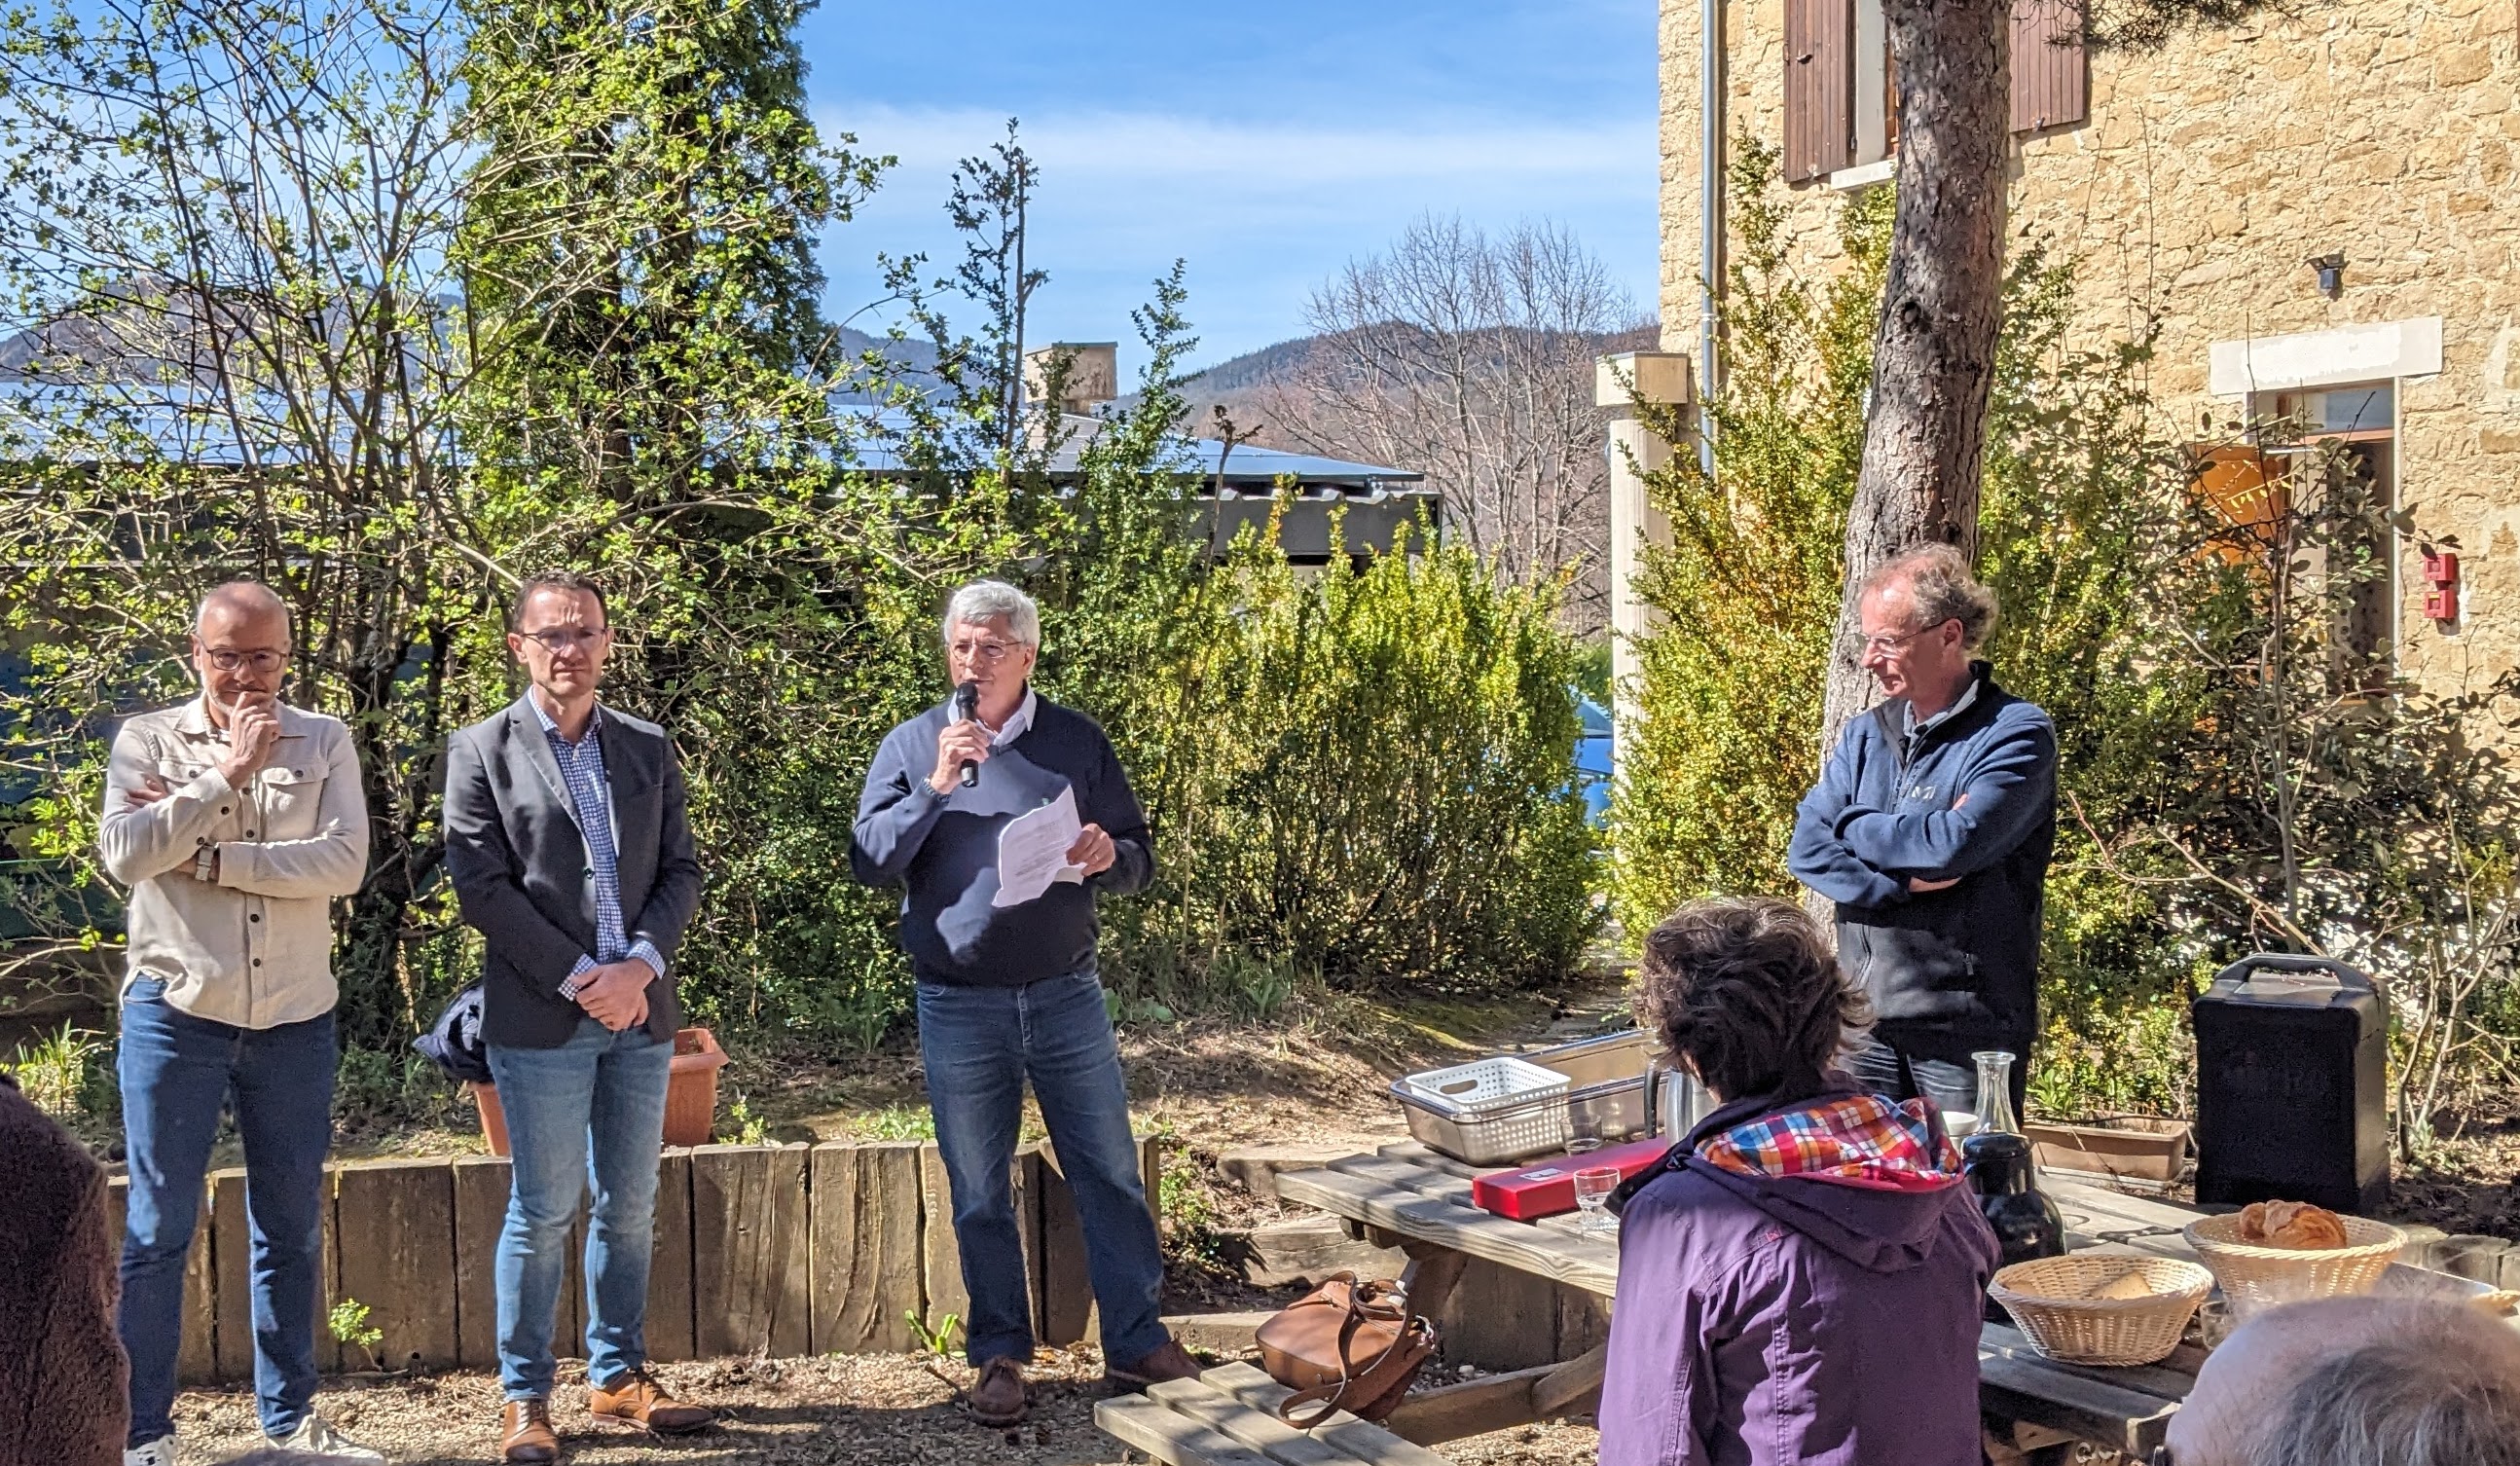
pixel 521 872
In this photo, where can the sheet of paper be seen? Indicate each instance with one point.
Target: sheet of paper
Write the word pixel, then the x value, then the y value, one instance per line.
pixel 1032 852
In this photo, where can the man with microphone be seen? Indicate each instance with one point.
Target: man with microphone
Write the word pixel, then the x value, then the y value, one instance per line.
pixel 1011 993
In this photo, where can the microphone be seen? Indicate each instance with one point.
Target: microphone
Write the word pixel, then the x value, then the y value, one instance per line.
pixel 966 710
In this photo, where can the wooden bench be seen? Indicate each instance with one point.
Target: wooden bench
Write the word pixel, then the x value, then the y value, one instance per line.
pixel 1229 1417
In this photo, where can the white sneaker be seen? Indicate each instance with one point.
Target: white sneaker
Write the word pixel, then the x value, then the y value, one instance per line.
pixel 157 1453
pixel 315 1436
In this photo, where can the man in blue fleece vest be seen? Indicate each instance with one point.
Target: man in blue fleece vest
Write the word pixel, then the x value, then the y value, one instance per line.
pixel 1931 829
pixel 1011 993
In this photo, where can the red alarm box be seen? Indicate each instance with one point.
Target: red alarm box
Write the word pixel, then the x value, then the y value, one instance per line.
pixel 1546 1188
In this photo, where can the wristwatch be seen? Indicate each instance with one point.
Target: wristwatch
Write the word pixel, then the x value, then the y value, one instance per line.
pixel 205 865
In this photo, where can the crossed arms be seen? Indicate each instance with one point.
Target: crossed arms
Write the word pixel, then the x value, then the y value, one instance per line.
pixel 1854 853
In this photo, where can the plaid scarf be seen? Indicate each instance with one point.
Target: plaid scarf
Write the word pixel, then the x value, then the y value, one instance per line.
pixel 1851 1141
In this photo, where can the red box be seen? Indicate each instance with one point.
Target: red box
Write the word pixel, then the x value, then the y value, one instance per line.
pixel 1546 1188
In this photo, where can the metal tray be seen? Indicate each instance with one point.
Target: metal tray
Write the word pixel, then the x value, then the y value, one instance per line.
pixel 1607 1079
pixel 1490 1112
pixel 1608 1082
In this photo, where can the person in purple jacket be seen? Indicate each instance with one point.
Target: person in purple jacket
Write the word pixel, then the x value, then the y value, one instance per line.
pixel 1800 1279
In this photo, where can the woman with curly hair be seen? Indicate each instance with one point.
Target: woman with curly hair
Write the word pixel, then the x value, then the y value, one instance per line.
pixel 1800 1279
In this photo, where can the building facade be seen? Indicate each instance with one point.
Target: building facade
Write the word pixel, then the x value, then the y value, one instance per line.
pixel 2318 211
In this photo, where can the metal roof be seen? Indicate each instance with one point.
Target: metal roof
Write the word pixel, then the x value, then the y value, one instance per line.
pixel 199 435
pixel 1249 468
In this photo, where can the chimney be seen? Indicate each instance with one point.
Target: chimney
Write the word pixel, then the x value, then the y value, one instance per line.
pixel 1092 374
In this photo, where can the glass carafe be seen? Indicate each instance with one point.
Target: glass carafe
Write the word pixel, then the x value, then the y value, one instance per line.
pixel 1997 1160
pixel 1995 1112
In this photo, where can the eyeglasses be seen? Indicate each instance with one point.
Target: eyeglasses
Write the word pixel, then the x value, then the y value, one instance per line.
pixel 560 639
pixel 989 652
pixel 262 662
pixel 1883 646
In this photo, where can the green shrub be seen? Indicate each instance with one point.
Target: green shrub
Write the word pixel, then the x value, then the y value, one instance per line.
pixel 1729 681
pixel 1376 784
pixel 59 1073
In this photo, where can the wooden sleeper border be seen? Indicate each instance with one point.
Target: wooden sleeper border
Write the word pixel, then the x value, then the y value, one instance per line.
pixel 793 1249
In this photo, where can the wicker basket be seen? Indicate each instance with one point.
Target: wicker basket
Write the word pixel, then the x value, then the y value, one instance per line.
pixel 2047 1297
pixel 2255 1276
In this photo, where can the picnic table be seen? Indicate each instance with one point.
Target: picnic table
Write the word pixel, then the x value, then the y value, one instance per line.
pixel 1412 1197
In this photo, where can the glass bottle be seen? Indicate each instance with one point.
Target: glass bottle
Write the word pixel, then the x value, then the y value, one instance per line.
pixel 1997 1160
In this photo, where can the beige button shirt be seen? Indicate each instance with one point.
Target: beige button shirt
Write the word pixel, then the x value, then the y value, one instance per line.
pixel 255 949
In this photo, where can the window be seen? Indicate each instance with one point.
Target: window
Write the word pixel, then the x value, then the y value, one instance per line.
pixel 1841 99
pixel 2356 481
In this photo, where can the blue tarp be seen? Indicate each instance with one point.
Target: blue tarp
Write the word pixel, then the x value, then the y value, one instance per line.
pixel 1592 758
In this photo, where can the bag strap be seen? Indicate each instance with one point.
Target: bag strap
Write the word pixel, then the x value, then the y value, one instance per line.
pixel 1328 1395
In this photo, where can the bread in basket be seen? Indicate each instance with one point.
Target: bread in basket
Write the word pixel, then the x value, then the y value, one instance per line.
pixel 2257 1276
pixel 2102 1309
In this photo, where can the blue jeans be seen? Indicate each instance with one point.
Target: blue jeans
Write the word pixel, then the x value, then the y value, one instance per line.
pixel 979 1044
pixel 177 1073
pixel 1935 1072
pixel 591 1112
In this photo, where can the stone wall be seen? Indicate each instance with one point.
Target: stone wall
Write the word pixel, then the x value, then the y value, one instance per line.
pixel 2207 175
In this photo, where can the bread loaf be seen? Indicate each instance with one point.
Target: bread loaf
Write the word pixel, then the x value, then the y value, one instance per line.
pixel 2294 1224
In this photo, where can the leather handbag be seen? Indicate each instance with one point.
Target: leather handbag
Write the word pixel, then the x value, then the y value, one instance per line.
pixel 1345 1345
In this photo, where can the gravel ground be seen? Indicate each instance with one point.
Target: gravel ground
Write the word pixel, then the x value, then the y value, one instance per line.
pixel 864 1410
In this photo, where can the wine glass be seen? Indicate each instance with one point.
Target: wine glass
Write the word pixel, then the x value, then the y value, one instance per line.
pixel 1592 1188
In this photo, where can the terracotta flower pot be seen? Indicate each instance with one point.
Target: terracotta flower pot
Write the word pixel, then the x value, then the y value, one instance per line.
pixel 2130 1147
pixel 691 1096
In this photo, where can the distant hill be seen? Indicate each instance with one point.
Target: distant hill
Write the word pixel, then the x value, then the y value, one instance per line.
pixel 1237 382
pixel 1252 368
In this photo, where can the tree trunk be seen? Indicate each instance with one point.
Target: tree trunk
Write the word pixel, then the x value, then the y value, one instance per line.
pixel 1933 357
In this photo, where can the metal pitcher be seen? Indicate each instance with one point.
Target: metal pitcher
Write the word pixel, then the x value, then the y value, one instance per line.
pixel 1680 1102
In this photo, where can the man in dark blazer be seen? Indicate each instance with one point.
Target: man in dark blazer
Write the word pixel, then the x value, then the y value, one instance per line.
pixel 570 852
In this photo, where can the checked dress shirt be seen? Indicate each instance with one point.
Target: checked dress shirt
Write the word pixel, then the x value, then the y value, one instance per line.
pixel 581 768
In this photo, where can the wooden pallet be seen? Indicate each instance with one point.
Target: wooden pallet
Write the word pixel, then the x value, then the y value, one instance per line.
pixel 1229 1417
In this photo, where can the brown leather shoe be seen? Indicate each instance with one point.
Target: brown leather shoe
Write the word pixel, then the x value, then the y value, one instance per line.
pixel 634 1398
pixel 1000 1397
pixel 1170 1363
pixel 526 1431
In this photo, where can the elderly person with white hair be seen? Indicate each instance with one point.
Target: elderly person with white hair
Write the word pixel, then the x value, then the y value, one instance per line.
pixel 2356 1382
pixel 1011 993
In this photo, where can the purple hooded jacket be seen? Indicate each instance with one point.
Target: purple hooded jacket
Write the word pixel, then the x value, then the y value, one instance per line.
pixel 1793 1320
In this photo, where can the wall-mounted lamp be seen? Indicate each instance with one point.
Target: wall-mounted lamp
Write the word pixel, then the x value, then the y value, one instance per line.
pixel 2332 273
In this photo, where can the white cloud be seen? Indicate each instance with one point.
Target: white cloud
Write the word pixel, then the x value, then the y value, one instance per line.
pixel 1262 209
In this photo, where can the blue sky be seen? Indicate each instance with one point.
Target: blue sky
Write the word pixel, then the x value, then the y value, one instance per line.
pixel 1266 144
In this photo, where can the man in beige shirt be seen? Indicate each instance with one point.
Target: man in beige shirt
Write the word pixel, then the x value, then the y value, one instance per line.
pixel 235 820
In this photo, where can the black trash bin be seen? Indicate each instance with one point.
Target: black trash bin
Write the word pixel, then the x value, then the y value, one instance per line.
pixel 2291 1075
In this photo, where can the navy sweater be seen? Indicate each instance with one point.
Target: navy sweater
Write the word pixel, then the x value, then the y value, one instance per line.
pixel 1973 800
pixel 943 848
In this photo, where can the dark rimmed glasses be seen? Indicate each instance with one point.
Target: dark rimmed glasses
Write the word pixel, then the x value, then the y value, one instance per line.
pixel 559 639
pixel 226 660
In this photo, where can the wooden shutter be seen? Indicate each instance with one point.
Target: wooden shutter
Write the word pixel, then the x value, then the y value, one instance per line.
pixel 2051 80
pixel 1819 87
pixel 2251 490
